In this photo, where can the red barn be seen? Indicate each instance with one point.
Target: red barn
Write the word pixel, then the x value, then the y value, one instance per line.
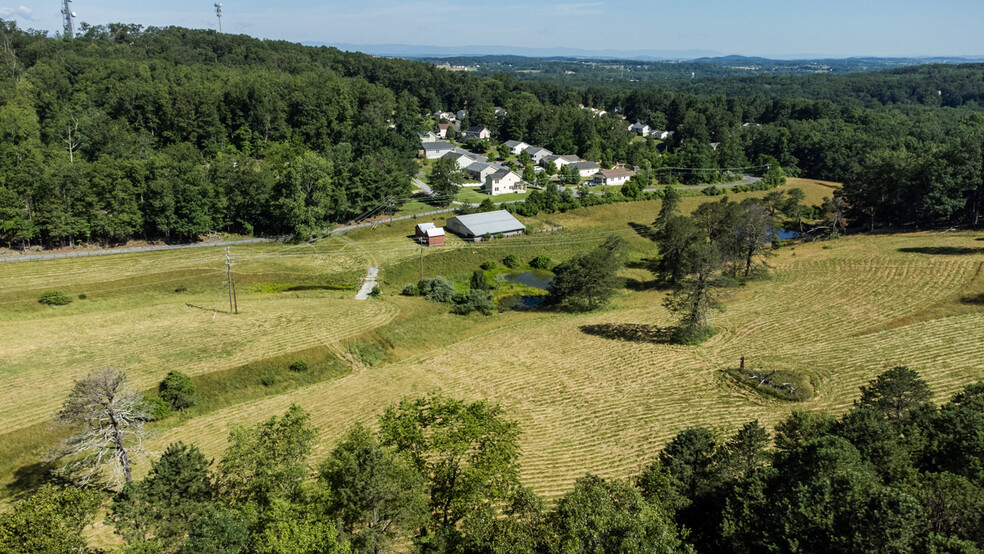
pixel 429 234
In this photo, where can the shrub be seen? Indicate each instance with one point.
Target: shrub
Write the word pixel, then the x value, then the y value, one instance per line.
pixel 500 236
pixel 177 390
pixel 540 262
pixel 487 236
pixel 489 264
pixel 299 366
pixel 182 288
pixel 410 290
pixel 441 290
pixel 479 281
pixel 374 291
pixel 157 407
pixel 424 286
pixel 511 261
pixel 54 298
pixel 82 296
pixel 476 300
pixel 268 379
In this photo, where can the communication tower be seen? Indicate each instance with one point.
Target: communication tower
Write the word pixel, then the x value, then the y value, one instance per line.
pixel 69 16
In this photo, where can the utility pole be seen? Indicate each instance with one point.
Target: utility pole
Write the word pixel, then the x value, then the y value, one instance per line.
pixel 68 15
pixel 218 14
pixel 233 302
pixel 421 261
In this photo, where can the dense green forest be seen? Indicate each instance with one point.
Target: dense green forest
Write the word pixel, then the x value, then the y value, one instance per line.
pixel 172 133
pixel 896 473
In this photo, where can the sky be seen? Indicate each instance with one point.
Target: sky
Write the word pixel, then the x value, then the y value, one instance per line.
pixel 773 28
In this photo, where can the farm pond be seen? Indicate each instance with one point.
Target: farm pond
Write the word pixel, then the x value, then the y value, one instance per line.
pixel 532 278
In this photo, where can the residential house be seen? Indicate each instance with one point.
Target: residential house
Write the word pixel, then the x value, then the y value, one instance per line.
pixel 477 132
pixel 586 169
pixel 516 146
pixel 641 129
pixel 661 135
pixel 427 137
pixel 477 226
pixel 478 171
pixel 500 111
pixel 464 158
pixel 503 182
pixel 560 161
pixel 537 153
pixel 447 116
pixel 442 129
pixel 435 150
pixel 617 176
pixel 461 115
pixel 429 234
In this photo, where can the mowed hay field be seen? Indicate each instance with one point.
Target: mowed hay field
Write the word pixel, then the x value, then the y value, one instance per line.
pixel 586 400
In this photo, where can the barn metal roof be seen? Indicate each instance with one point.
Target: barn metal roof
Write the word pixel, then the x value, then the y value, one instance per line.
pixel 499 221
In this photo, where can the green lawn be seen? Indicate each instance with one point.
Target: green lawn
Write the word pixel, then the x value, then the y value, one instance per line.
pixel 473 196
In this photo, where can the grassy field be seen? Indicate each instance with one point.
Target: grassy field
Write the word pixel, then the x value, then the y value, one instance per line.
pixel 592 392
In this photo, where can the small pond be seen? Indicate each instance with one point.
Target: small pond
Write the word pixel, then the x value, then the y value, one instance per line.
pixel 533 278
pixel 786 234
pixel 519 303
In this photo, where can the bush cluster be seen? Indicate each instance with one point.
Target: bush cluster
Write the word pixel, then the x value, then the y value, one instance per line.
pixel 54 298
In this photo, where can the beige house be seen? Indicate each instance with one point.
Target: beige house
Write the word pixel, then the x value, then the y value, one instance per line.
pixel 503 182
pixel 615 176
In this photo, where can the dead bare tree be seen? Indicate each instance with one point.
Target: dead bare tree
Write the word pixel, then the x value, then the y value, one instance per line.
pixel 111 418
pixel 70 141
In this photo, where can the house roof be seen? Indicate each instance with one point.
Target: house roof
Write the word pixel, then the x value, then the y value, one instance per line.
pixel 534 150
pixel 514 143
pixel 443 125
pixel 440 145
pixel 499 175
pixel 585 165
pixel 499 221
pixel 425 226
pixel 480 166
pixel 476 129
pixel 617 172
pixel 569 158
pixel 435 232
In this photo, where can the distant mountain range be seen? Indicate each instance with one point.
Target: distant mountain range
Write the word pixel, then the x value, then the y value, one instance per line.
pixel 425 51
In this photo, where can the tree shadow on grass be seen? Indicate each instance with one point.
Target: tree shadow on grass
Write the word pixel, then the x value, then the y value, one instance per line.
pixel 30 477
pixel 632 332
pixel 943 250
pixel 975 300
pixel 644 231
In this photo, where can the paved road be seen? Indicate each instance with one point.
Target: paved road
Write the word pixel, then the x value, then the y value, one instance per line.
pixel 368 284
pixel 748 179
pixel 423 186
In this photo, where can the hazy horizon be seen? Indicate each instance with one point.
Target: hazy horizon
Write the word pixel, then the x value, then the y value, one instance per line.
pixel 758 28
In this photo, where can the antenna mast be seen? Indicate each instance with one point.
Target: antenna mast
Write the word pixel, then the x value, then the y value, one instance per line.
pixel 218 14
pixel 69 15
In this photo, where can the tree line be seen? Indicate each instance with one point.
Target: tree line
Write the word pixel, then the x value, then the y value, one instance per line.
pixel 895 473
pixel 171 133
